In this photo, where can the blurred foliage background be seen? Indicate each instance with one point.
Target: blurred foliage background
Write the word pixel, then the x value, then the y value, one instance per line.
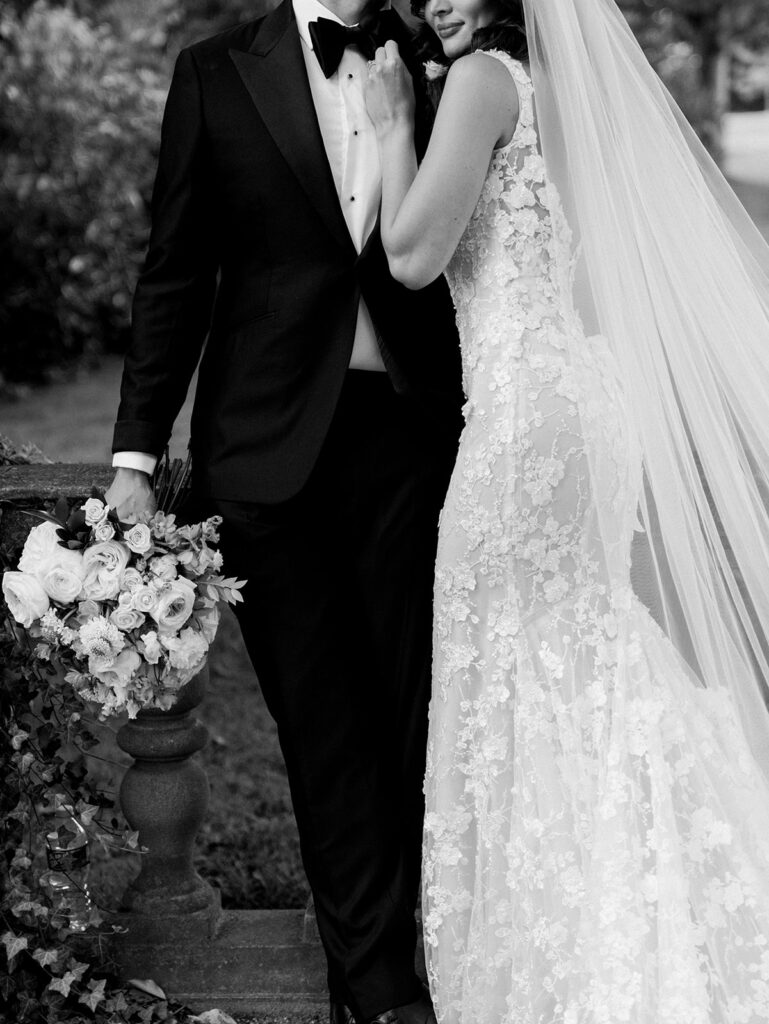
pixel 82 87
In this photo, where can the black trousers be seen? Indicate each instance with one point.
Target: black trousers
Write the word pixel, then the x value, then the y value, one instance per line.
pixel 337 621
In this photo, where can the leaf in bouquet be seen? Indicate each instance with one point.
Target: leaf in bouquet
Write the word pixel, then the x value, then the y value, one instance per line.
pixel 44 517
pixel 76 523
pixel 61 509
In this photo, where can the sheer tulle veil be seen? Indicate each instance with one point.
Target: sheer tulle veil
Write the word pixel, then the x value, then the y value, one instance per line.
pixel 669 268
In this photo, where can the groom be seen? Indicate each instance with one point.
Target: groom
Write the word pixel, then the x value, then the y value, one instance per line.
pixel 324 431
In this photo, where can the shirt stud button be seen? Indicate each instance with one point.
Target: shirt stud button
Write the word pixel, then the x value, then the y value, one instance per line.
pixel 349 76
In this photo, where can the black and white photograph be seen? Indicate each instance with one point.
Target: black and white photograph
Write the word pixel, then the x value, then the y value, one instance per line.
pixel 384 511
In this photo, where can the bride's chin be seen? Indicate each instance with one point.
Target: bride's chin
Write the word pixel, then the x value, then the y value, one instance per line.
pixel 454 52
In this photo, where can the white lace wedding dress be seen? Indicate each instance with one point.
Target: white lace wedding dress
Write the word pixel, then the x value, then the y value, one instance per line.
pixel 597 834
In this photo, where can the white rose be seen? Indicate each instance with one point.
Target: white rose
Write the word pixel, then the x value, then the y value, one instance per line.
pixel 132 579
pixel 25 597
pixel 144 599
pixel 139 538
pixel 121 671
pixel 62 584
pixel 105 563
pixel 43 554
pixel 126 618
pixel 104 531
pixel 174 605
pixel 95 511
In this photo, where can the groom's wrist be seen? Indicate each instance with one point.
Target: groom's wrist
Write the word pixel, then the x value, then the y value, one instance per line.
pixel 143 462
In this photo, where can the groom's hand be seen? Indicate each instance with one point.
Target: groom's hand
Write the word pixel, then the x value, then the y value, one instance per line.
pixel 130 494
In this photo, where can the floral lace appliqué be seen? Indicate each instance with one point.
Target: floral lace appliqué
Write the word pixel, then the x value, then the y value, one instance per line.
pixel 596 839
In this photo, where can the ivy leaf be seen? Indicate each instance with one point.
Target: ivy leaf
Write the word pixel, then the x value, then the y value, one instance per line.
pixel 86 812
pixel 95 996
pixel 78 968
pixel 46 956
pixel 31 906
pixel 116 1003
pixel 14 944
pixel 62 985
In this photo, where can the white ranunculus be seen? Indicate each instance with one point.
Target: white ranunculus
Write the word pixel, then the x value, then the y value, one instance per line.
pixel 174 605
pixel 25 597
pixel 139 538
pixel 95 511
pixel 121 671
pixel 105 563
pixel 62 584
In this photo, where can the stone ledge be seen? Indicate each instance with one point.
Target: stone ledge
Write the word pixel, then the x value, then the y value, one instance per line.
pixel 49 481
pixel 27 488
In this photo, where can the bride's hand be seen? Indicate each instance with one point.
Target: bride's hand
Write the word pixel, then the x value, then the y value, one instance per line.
pixel 389 90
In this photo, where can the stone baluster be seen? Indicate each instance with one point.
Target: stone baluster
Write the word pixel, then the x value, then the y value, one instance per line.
pixel 164 795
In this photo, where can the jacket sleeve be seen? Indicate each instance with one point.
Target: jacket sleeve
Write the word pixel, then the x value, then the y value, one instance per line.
pixel 175 293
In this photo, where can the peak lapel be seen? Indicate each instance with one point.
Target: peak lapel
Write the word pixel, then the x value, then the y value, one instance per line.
pixel 274 73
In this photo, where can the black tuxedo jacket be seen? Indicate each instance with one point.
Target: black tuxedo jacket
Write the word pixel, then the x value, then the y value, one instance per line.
pixel 249 247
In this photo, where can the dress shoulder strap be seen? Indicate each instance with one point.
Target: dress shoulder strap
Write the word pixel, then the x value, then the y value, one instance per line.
pixel 524 87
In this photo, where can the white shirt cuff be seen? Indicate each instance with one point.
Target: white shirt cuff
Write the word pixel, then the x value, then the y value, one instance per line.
pixel 135 460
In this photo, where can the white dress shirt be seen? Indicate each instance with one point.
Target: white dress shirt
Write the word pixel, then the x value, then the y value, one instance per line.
pixel 353 155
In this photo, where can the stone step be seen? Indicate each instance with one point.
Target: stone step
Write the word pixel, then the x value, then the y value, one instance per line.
pixel 259 962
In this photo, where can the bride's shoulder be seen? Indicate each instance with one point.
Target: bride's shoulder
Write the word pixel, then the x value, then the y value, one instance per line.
pixel 482 77
pixel 481 71
pixel 487 66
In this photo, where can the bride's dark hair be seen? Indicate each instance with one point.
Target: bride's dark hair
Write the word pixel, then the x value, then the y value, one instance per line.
pixel 506 32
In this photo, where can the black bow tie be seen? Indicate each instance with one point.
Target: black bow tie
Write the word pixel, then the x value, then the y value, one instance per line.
pixel 330 39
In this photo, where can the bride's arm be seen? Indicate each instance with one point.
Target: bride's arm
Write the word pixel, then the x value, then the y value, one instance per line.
pixel 426 210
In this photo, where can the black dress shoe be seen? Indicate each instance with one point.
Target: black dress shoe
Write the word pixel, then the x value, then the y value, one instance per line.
pixel 419 1012
pixel 338 1013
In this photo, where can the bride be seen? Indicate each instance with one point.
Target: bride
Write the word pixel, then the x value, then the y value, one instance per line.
pixel 596 844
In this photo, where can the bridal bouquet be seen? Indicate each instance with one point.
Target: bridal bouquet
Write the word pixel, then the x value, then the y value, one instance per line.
pixel 127 611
